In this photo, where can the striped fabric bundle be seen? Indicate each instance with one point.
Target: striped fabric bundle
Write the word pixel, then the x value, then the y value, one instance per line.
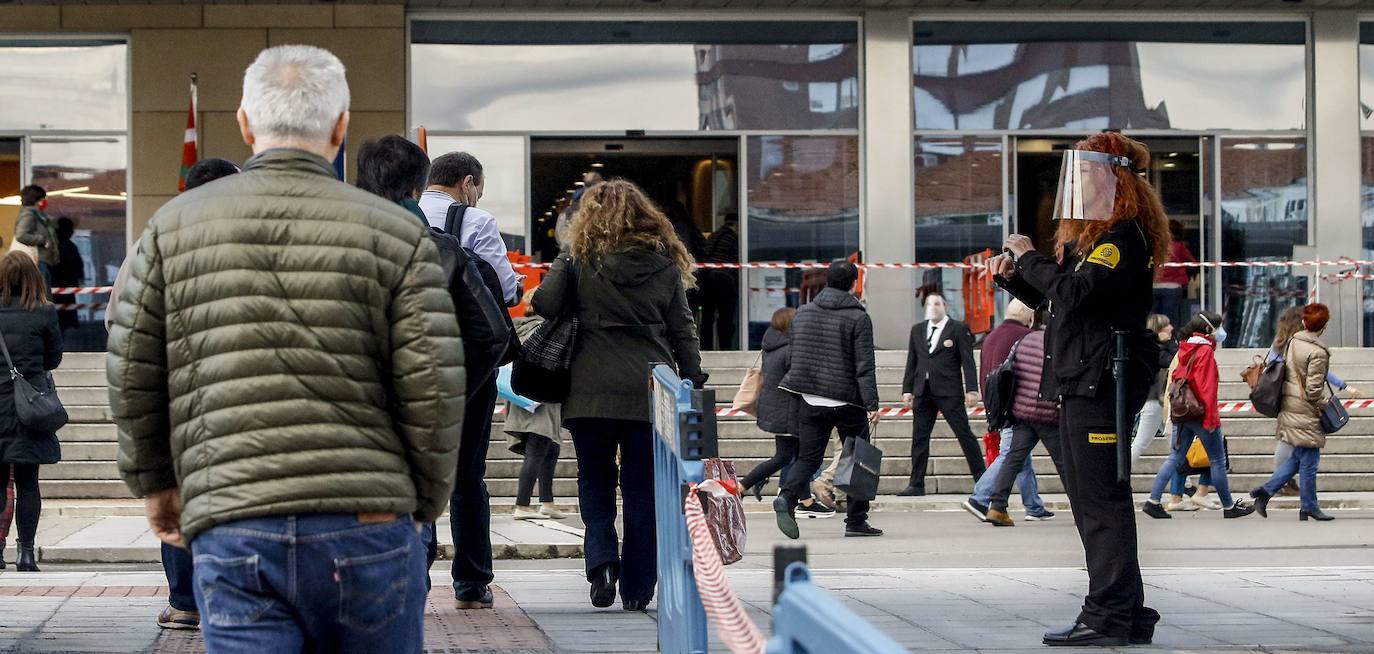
pixel 736 631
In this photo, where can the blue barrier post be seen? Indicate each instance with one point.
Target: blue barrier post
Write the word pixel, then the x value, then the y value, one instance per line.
pixel 684 422
pixel 808 619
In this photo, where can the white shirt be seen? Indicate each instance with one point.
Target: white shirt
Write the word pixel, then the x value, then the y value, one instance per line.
pixel 934 330
pixel 816 400
pixel 480 234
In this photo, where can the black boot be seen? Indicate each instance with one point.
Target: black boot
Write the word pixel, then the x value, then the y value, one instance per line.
pixel 27 562
pixel 1262 498
pixel 1315 514
pixel 603 580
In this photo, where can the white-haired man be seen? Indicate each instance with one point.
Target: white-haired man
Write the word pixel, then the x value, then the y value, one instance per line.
pixel 286 374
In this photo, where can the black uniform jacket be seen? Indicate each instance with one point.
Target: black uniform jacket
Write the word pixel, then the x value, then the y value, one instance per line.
pixel 946 372
pixel 1088 298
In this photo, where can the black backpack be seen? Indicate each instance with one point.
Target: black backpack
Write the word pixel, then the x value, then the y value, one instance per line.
pixel 1001 392
pixel 489 339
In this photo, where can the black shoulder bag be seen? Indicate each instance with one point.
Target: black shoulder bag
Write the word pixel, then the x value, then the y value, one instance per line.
pixel 543 370
pixel 35 402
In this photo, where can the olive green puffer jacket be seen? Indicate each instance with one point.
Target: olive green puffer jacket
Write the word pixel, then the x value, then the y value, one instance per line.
pixel 287 344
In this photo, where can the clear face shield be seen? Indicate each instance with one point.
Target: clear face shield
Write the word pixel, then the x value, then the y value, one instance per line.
pixel 1087 185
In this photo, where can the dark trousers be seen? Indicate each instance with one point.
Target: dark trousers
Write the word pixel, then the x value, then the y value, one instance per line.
pixel 815 424
pixel 1172 302
pixel 785 449
pixel 719 306
pixel 28 502
pixel 181 589
pixel 1103 512
pixel 541 458
pixel 1024 436
pixel 923 423
pixel 596 441
pixel 470 507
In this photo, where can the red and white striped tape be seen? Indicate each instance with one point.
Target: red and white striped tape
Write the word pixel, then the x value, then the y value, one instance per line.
pixel 901 412
pixel 818 265
pixel 736 631
pixel 73 290
pixel 80 307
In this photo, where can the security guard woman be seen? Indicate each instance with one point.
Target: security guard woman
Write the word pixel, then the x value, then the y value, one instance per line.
pixel 1112 229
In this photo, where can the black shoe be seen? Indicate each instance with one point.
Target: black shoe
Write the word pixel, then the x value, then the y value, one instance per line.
pixel 815 510
pixel 912 491
pixel 1081 635
pixel 1315 514
pixel 977 510
pixel 1154 510
pixel 1239 509
pixel 1041 516
pixel 603 580
pixel 787 517
pixel 2 554
pixel 1141 637
pixel 1262 498
pixel 27 561
pixel 635 605
pixel 480 598
pixel 864 529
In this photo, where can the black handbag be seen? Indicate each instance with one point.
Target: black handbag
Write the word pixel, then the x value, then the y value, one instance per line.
pixel 1001 392
pixel 859 469
pixel 36 405
pixel 1334 416
pixel 543 371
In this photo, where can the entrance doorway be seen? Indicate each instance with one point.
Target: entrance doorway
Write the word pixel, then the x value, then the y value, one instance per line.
pixel 1176 170
pixel 694 180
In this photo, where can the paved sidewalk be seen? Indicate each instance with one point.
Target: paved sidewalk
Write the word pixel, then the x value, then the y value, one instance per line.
pixel 127 539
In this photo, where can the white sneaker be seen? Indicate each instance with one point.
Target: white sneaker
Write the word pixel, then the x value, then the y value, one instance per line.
pixel 551 512
pixel 526 513
pixel 1184 504
pixel 1205 502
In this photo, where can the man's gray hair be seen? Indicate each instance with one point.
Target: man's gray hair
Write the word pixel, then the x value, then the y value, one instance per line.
pixel 295 93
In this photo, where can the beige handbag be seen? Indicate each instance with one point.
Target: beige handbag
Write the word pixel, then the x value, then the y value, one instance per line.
pixel 747 397
pixel 31 250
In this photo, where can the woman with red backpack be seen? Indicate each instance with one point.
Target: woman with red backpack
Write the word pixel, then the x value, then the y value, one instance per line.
pixel 1197 369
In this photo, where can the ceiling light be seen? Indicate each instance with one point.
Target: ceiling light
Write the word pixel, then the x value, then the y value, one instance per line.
pixel 1170 165
pixel 579 183
pixel 598 165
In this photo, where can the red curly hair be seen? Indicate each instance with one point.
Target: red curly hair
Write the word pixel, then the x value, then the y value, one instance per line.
pixel 1135 200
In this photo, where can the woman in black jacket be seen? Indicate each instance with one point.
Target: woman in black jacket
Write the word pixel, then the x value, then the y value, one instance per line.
pixel 624 275
pixel 28 322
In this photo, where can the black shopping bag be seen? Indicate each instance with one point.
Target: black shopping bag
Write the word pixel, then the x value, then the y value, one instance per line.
pixel 859 469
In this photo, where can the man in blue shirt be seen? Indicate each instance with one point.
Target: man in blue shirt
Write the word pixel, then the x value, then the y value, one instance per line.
pixel 457 177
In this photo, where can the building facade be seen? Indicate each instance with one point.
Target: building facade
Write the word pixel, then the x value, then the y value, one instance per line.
pixel 888 134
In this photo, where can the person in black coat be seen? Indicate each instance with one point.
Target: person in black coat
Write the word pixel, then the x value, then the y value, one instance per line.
pixel 940 377
pixel 28 321
pixel 624 275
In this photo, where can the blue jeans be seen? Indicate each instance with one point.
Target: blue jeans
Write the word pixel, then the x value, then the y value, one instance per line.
pixel 322 582
pixel 181 593
pixel 1025 480
pixel 595 441
pixel 1306 460
pixel 1179 484
pixel 1216 452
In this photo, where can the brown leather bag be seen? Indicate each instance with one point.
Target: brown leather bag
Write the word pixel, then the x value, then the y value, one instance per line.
pixel 1184 405
pixel 1251 374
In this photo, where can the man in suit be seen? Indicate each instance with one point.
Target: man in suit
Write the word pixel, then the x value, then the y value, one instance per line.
pixel 940 376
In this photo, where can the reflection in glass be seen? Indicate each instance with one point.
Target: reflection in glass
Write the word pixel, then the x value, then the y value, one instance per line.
pixel 86 181
pixel 503 165
pixel 1066 76
pixel 1263 215
pixel 958 207
pixel 655 86
pixel 803 204
pixel 71 86
pixel 1367 79
pixel 1367 232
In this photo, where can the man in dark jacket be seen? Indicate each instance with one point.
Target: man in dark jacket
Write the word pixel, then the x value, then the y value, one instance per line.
pixel 940 377
pixel 834 371
pixel 720 288
pixel 287 367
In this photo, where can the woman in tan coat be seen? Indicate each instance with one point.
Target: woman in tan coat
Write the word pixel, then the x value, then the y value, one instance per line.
pixel 1305 393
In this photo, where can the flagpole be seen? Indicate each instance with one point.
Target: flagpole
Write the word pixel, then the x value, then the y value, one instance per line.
pixel 195 106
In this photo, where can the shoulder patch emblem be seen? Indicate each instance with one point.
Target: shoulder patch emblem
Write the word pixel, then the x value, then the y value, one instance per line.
pixel 1106 255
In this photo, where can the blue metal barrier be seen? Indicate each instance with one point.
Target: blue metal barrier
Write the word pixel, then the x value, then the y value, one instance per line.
pixel 808 619
pixel 684 422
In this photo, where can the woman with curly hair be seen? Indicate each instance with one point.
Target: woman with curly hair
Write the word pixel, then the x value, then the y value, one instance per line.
pixel 625 276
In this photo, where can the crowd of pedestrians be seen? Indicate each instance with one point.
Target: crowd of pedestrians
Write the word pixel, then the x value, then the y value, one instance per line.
pixel 288 378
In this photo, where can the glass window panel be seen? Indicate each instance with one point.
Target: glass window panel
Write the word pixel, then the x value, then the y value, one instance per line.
pixel 86 182
pixel 978 75
pixel 504 165
pixel 1263 215
pixel 958 207
pixel 68 86
pixel 1367 228
pixel 1367 75
pixel 708 77
pixel 803 206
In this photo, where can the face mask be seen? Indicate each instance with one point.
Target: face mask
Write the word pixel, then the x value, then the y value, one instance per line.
pixel 935 313
pixel 1220 335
